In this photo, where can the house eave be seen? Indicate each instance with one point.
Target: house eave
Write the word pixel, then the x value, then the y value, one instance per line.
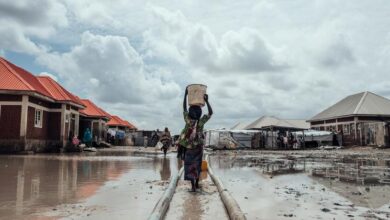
pixel 29 93
pixel 346 116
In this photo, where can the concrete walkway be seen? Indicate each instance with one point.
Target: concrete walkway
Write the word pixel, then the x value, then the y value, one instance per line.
pixel 204 204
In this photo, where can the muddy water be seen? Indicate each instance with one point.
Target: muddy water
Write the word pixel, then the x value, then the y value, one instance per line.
pixel 113 184
pixel 278 187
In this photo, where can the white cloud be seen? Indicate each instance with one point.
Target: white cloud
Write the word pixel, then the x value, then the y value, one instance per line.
pixel 23 19
pixel 241 51
pixel 107 69
pixel 283 58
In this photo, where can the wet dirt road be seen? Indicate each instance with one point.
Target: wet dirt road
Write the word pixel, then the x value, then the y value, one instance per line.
pixel 266 188
pixel 109 184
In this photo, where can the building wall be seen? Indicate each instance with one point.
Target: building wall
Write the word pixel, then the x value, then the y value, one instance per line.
pixel 34 132
pixel 10 122
pixel 354 130
pixel 46 138
pixel 10 117
pixel 17 130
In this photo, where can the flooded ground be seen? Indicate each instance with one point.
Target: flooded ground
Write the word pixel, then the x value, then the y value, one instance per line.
pixel 307 185
pixel 122 183
pixel 109 184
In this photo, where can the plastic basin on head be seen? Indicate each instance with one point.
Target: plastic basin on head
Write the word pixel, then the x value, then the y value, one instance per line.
pixel 196 94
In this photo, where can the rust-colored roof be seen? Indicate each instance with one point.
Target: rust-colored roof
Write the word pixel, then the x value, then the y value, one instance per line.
pixel 17 79
pixel 92 110
pixel 56 91
pixel 117 121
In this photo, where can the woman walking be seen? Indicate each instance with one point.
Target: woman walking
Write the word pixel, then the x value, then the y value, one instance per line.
pixel 192 138
pixel 166 140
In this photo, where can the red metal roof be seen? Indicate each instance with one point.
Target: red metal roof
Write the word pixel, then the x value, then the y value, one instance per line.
pixel 17 79
pixel 56 91
pixel 92 110
pixel 117 121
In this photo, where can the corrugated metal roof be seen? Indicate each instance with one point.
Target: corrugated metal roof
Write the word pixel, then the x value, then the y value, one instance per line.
pixel 56 91
pixel 364 103
pixel 239 126
pixel 17 79
pixel 271 121
pixel 92 110
pixel 117 121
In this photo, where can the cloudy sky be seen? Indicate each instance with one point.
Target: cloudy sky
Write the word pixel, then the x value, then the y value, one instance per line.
pixel 287 58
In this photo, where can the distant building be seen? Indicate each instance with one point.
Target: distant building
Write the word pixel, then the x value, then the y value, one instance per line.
pixel 362 119
pixel 119 131
pixel 36 113
pixel 277 124
pixel 119 124
pixel 95 119
pixel 239 126
pixel 273 131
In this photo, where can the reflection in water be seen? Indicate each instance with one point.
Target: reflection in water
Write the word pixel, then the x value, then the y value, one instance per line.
pixel 165 171
pixel 19 192
pixel 36 182
pixel 358 172
pixel 365 182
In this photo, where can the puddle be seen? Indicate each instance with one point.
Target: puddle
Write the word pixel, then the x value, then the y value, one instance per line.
pixel 110 183
pixel 276 186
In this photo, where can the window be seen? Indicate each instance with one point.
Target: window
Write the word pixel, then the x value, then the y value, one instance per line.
pixel 38 118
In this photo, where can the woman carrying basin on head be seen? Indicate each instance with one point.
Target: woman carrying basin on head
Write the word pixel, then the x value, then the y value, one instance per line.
pixel 192 137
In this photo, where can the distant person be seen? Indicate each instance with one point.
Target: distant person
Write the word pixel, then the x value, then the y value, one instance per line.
pixel 165 139
pixel 75 142
pixel 192 138
pixel 87 138
pixel 335 141
pixel 154 138
pixel 291 140
pixel 145 141
pixel 285 141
